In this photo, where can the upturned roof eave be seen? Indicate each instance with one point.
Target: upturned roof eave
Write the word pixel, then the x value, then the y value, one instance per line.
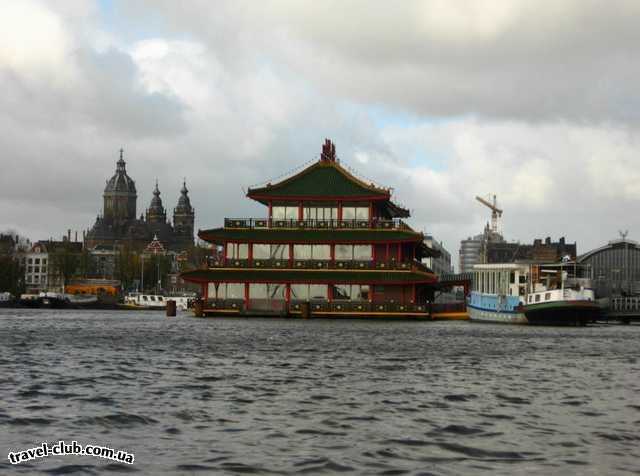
pixel 269 235
pixel 271 191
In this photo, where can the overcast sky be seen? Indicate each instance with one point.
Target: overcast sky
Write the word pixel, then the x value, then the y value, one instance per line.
pixel 537 102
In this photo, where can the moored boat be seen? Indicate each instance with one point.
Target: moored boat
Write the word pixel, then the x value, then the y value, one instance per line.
pixel 141 301
pixel 498 291
pixel 560 296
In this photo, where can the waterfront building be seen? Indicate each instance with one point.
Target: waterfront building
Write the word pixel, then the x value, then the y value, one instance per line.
pixel 615 268
pixel 440 264
pixel 119 224
pixel 545 251
pixel 44 264
pixel 329 243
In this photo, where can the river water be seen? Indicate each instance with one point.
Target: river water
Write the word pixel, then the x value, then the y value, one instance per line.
pixel 277 396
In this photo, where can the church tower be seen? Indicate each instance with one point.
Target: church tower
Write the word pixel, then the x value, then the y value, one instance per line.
pixel 120 195
pixel 184 217
pixel 156 212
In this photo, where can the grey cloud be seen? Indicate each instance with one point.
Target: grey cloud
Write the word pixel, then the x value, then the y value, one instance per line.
pixel 539 61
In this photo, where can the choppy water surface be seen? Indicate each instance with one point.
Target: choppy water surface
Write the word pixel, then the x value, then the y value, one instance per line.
pixel 236 396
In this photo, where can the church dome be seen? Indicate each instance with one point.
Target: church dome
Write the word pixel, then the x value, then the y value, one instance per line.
pixel 156 202
pixel 184 203
pixel 120 182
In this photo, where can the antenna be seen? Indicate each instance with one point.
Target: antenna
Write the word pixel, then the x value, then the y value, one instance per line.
pixel 623 234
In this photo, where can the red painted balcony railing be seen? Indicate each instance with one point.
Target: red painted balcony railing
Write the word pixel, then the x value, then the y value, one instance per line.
pixel 261 223
pixel 215 262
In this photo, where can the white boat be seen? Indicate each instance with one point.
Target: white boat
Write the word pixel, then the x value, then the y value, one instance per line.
pixel 144 301
pixel 560 295
pixel 498 292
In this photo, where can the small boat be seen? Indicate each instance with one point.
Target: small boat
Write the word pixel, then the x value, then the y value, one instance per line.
pixel 6 299
pixel 560 296
pixel 53 300
pixel 30 300
pixel 141 301
pixel 82 300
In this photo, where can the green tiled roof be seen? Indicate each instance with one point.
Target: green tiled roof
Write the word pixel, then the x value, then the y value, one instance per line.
pixel 235 275
pixel 276 235
pixel 322 180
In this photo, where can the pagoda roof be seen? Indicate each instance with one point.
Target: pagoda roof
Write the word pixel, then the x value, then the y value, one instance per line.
pixel 325 180
pixel 308 276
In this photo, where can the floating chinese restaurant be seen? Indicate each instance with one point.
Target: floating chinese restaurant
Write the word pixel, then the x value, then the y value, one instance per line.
pixel 331 245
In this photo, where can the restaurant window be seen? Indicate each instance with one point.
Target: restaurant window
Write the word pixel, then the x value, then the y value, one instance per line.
pixel 231 291
pixel 280 252
pixel 306 292
pixel 353 252
pixel 320 213
pixel 351 292
pixel 288 212
pixel 315 252
pixel 266 291
pixel 362 252
pixel 237 251
pixel 261 251
pixel 355 213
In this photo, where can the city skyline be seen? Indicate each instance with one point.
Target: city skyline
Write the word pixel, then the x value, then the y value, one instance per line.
pixel 480 102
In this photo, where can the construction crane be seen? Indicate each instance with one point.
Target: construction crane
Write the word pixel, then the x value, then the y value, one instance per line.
pixel 495 212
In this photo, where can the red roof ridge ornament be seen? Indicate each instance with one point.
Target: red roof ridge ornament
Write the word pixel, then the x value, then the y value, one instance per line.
pixel 328 151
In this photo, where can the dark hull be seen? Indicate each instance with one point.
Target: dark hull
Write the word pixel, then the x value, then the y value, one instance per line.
pixel 566 313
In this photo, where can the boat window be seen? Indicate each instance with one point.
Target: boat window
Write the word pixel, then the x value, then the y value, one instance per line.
pixel 512 277
pixel 144 298
pixel 537 298
pixel 159 298
pixel 547 296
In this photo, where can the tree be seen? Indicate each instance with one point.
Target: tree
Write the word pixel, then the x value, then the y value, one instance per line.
pixel 11 276
pixel 127 266
pixel 64 263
